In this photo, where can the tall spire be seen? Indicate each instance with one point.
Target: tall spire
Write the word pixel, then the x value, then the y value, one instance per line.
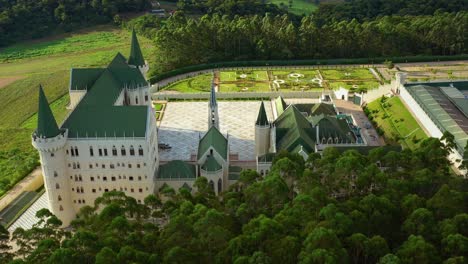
pixel 213 96
pixel 46 124
pixel 262 119
pixel 136 57
pixel 213 117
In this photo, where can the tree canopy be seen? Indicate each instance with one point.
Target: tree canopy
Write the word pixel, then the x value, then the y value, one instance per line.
pixel 333 208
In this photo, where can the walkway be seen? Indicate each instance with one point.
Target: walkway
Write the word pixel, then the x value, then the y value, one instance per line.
pixel 28 218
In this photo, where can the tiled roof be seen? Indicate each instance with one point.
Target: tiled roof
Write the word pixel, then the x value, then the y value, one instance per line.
pixel 211 164
pixel 46 124
pixel 177 169
pixel 262 119
pixel 136 57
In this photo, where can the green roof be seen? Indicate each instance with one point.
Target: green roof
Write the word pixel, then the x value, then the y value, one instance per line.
pixel 177 169
pixel 293 129
pixel 83 79
pixel 280 105
pixel 211 164
pixel 262 119
pixel 321 108
pixel 46 124
pixel 136 57
pixel 332 127
pixel 213 138
pixel 96 115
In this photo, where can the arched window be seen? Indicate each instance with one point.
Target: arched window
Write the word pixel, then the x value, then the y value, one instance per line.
pixel 212 185
pixel 146 97
pixel 323 140
pixel 132 151
pixel 72 152
pixel 74 165
pixel 76 151
pixel 57 186
pixel 114 151
pixel 261 172
pixel 60 198
pixel 78 165
pixel 82 191
pixel 91 151
pixel 330 140
pixel 55 174
pixel 123 151
pixel 140 151
pixel 61 208
pixel 337 140
pixel 136 99
pixel 220 186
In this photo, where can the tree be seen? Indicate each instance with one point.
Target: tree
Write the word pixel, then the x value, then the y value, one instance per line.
pixel 106 255
pixel 421 222
pixel 322 244
pixel 417 250
pixel 4 245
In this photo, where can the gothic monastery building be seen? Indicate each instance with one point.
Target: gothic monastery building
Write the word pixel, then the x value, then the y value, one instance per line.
pixel 109 141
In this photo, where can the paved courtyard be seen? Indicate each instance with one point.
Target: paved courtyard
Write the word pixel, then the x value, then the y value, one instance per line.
pixel 184 123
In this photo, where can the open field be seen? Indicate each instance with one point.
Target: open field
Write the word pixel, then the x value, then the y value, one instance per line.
pixel 47 62
pixel 298 7
pixel 397 123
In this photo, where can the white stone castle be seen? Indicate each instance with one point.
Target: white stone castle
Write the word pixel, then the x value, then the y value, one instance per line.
pixel 109 142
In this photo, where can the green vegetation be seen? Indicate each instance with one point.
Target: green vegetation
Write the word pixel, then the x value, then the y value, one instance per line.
pixel 46 62
pixel 347 74
pixel 413 211
pixel 244 87
pixel 298 7
pixel 31 19
pixel 303 81
pixel 395 122
pixel 231 76
pixel 158 107
pixel 197 84
pixel 355 86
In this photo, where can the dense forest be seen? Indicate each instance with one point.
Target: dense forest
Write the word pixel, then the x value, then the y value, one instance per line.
pixel 28 19
pixel 185 41
pixel 369 9
pixel 384 207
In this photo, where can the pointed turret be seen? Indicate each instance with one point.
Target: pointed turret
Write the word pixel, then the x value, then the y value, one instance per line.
pixel 262 133
pixel 213 118
pixel 46 124
pixel 136 57
pixel 262 119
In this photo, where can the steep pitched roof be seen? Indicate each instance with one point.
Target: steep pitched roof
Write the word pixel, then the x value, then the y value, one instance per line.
pixel 293 129
pixel 321 108
pixel 262 119
pixel 332 127
pixel 83 79
pixel 136 57
pixel 211 164
pixel 213 138
pixel 280 105
pixel 46 124
pixel 96 115
pixel 176 169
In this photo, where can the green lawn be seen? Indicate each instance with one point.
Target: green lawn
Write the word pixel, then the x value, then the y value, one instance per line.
pixel 396 121
pixel 355 86
pixel 244 87
pixel 158 107
pixel 232 76
pixel 197 84
pixel 299 7
pixel 347 74
pixel 47 62
pixel 303 82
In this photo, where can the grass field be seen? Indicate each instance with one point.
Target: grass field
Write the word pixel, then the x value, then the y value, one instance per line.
pixel 244 87
pixel 197 84
pixel 47 62
pixel 299 7
pixel 347 74
pixel 396 122
pixel 232 76
pixel 304 81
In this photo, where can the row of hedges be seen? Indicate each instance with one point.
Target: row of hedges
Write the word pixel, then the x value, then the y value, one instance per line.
pixel 266 63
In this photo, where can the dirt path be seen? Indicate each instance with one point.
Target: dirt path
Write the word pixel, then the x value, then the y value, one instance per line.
pixel 4 81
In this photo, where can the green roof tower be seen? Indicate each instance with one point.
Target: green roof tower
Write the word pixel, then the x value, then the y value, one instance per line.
pixel 46 124
pixel 136 57
pixel 262 119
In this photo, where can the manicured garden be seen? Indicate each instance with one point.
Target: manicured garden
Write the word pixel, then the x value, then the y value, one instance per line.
pixel 197 84
pixel 395 122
